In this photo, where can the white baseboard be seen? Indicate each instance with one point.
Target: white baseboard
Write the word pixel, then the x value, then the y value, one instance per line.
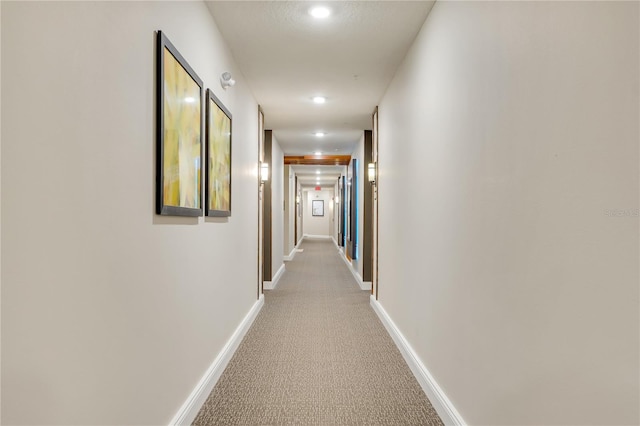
pixel 270 285
pixel 444 407
pixel 189 410
pixel 366 285
pixel 316 237
pixel 291 255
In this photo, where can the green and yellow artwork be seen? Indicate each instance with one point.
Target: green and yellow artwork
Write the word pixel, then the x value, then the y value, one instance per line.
pixel 182 142
pixel 219 161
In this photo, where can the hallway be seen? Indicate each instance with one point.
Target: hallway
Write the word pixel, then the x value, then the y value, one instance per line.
pixel 317 354
pixel 478 161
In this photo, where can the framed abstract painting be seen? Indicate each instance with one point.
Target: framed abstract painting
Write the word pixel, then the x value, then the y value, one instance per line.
pixel 178 133
pixel 218 158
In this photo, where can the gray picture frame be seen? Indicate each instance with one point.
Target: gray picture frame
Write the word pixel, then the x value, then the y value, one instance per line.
pixel 317 207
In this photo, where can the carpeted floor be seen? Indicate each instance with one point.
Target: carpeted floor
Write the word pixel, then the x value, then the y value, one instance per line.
pixel 317 355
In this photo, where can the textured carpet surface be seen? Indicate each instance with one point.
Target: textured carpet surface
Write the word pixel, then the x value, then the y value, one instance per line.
pixel 317 354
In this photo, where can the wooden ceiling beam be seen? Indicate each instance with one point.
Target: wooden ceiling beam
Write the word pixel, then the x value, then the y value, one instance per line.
pixel 318 160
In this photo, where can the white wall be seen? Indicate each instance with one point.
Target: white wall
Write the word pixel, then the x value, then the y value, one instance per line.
pixel 299 210
pixel 358 154
pixel 111 314
pixel 317 225
pixel 289 210
pixel 512 269
pixel 277 207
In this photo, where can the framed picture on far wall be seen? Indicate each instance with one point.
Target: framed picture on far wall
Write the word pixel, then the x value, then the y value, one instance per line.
pixel 218 158
pixel 178 133
pixel 317 208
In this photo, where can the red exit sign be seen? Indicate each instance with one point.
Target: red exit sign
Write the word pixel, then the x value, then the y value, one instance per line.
pixel 318 188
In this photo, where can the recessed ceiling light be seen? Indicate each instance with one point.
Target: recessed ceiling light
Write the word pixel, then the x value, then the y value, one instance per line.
pixel 317 172
pixel 189 99
pixel 320 12
pixel 318 153
pixel 320 134
pixel 319 99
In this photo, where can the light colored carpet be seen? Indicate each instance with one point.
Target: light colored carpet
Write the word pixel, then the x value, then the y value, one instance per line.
pixel 317 354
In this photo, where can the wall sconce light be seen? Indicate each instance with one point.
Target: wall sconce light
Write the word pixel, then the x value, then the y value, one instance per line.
pixel 226 80
pixel 337 200
pixel 371 169
pixel 264 172
pixel 297 199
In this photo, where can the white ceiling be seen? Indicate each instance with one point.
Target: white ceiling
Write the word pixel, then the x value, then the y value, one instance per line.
pixel 287 57
pixel 324 176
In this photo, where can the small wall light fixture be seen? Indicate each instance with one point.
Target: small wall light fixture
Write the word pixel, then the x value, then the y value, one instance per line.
pixel 226 80
pixel 371 173
pixel 264 172
pixel 297 199
pixel 337 200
